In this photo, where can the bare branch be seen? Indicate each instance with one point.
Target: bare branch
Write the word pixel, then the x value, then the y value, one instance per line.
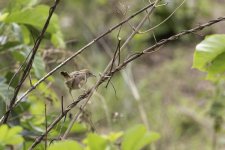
pixel 165 41
pixel 156 26
pixel 46 126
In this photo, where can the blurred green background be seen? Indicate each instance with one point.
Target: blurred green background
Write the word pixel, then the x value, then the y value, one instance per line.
pixel 160 90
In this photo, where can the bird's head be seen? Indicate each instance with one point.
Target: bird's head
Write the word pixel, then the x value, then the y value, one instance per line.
pixel 88 73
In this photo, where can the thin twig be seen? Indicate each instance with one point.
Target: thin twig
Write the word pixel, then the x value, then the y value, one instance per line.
pixel 46 127
pixel 24 62
pixel 114 58
pixel 62 111
pixel 165 41
pixel 156 26
pixel 30 79
pixel 62 107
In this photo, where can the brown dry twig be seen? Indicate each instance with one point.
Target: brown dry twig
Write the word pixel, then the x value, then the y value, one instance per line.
pixel 117 52
pixel 104 77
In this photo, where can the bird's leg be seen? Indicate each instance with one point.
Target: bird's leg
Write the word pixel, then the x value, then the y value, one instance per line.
pixel 85 79
pixel 70 91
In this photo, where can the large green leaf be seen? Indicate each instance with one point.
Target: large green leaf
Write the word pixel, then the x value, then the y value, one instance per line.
pixel 36 17
pixel 8 45
pixel 96 142
pixel 209 56
pixel 15 5
pixel 10 136
pixel 114 136
pixel 5 92
pixel 26 34
pixel 65 145
pixel 138 137
pixel 39 66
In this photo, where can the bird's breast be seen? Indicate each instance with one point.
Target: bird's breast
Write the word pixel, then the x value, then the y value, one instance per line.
pixel 76 82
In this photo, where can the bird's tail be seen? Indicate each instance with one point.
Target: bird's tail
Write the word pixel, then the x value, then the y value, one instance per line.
pixel 65 74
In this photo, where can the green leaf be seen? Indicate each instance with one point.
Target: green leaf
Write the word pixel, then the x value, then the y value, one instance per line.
pixel 3 132
pixel 96 142
pixel 34 16
pixel 3 16
pixel 26 34
pixel 209 56
pixel 79 128
pixel 18 5
pixel 37 17
pixel 5 92
pixel 57 40
pixel 17 55
pixel 147 139
pixel 2 103
pixel 114 136
pixel 137 138
pixel 2 147
pixel 2 108
pixel 65 145
pixel 8 45
pixel 10 136
pixel 39 66
pixel 15 80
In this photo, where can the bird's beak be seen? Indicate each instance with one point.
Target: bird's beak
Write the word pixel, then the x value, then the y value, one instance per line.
pixel 92 75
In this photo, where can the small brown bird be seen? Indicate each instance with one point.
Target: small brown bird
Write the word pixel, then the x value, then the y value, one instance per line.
pixel 76 79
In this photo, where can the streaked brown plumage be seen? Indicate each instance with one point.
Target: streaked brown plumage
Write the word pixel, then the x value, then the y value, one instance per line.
pixel 76 79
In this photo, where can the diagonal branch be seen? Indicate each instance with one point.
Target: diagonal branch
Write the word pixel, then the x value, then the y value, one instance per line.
pixel 165 41
pixel 29 63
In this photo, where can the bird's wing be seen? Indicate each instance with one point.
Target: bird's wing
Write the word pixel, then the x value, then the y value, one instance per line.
pixel 72 83
pixel 75 73
pixel 81 79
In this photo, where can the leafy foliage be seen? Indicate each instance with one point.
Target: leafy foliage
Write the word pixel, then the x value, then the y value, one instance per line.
pixel 64 145
pixel 20 23
pixel 10 136
pixel 209 57
pixel 35 17
pixel 135 138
